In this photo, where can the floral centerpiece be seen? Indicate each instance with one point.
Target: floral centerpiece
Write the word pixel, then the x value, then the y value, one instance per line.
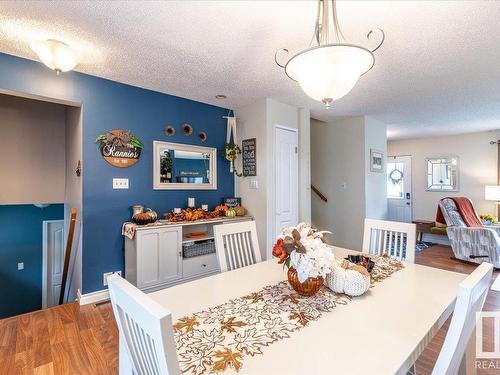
pixel 308 258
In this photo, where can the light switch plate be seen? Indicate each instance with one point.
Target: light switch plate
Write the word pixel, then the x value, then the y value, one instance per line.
pixel 254 184
pixel 20 266
pixel 120 183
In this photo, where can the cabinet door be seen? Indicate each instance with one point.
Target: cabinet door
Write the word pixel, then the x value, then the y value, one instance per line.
pixel 158 258
pixel 170 258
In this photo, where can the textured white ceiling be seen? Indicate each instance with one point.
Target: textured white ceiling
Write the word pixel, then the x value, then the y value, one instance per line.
pixel 437 73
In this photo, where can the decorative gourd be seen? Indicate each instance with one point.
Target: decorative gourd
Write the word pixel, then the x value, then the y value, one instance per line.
pixel 349 279
pixel 230 212
pixel 240 211
pixel 152 215
pixel 143 218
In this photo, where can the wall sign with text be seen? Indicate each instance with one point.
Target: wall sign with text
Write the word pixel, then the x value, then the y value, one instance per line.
pixel 249 156
pixel 120 148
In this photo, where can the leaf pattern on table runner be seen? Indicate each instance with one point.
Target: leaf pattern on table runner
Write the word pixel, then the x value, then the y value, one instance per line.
pixel 220 337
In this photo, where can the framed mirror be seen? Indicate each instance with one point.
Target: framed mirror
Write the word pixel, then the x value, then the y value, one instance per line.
pixel 442 174
pixel 180 167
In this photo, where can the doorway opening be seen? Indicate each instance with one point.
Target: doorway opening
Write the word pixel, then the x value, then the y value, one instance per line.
pixel 399 188
pixel 42 144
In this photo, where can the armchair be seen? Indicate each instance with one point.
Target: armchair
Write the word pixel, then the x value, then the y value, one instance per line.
pixel 471 244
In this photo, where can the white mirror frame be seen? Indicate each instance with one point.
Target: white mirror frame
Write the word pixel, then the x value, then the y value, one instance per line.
pixel 157 185
pixel 457 166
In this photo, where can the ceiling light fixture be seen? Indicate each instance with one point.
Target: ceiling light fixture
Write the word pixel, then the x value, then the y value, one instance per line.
pixel 220 96
pixel 56 55
pixel 330 67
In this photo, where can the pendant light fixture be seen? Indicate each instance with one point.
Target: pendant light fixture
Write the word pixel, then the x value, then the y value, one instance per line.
pixel 330 67
pixel 56 55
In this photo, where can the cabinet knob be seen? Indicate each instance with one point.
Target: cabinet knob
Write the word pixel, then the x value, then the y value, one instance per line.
pixel 203 265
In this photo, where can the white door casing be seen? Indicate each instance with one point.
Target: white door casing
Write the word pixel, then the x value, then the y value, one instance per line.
pixel 53 261
pixel 286 178
pixel 400 196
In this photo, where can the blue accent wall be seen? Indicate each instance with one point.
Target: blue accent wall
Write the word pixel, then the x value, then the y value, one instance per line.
pixel 21 241
pixel 111 105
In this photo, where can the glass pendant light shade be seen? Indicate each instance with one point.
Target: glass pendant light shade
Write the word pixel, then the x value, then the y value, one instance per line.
pixel 327 73
pixel 56 55
pixel 330 67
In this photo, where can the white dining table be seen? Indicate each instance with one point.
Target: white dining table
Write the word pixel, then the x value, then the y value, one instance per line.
pixel 382 332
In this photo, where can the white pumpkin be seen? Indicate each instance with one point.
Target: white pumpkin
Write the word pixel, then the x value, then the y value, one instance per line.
pixel 348 281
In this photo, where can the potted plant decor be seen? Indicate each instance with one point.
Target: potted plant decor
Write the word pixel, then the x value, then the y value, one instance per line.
pixel 231 153
pixel 308 258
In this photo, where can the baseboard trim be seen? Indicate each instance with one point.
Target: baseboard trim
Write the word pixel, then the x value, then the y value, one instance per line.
pixel 93 297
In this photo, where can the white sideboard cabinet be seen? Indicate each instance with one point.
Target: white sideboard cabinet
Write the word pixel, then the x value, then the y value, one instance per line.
pixel 161 255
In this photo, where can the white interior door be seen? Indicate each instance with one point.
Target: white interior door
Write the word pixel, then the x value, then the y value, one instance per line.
pixel 53 261
pixel 399 188
pixel 286 178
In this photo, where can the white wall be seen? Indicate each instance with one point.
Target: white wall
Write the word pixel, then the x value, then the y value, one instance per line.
pixel 337 170
pixel 478 167
pixel 340 168
pixel 252 124
pixel 258 120
pixel 375 182
pixel 33 151
pixel 73 197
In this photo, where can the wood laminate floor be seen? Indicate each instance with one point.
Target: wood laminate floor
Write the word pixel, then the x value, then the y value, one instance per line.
pixel 73 339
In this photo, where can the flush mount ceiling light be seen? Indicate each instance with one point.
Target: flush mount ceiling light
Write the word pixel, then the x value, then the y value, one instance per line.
pixel 330 67
pixel 220 96
pixel 56 55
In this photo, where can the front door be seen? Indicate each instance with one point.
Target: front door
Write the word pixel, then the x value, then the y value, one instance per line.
pixel 287 178
pixel 399 192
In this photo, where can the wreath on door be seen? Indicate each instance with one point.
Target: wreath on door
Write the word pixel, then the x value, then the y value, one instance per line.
pixel 396 176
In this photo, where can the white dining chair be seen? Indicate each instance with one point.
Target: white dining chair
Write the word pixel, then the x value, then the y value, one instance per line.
pixel 145 328
pixel 470 300
pixel 237 245
pixel 394 238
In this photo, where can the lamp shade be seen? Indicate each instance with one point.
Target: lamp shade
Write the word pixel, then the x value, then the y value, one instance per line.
pixel 56 55
pixel 327 73
pixel 492 192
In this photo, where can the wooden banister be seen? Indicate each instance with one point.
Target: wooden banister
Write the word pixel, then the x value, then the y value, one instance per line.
pixel 319 193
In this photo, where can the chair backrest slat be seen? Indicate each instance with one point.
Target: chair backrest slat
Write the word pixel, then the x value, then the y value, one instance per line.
pixel 237 245
pixel 472 293
pixel 394 238
pixel 146 329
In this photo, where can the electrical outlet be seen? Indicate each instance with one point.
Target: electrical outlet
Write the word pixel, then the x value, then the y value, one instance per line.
pixel 105 276
pixel 120 183
pixel 20 266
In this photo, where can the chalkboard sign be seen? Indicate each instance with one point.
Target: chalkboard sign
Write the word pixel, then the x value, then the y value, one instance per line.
pixel 249 152
pixel 232 202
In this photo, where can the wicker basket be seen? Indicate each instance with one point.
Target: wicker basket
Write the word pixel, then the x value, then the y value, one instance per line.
pixel 194 249
pixel 308 288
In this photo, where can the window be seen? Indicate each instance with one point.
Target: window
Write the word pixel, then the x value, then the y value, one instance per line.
pixel 395 178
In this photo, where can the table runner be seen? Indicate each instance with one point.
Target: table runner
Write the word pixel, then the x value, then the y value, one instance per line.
pixel 220 337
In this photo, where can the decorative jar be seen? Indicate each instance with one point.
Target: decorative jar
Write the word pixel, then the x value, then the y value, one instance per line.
pixel 308 288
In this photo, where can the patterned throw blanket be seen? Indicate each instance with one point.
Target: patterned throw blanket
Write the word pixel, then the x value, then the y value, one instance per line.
pixel 465 209
pixel 222 336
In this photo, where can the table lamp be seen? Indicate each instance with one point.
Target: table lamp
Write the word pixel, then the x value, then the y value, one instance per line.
pixel 492 193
